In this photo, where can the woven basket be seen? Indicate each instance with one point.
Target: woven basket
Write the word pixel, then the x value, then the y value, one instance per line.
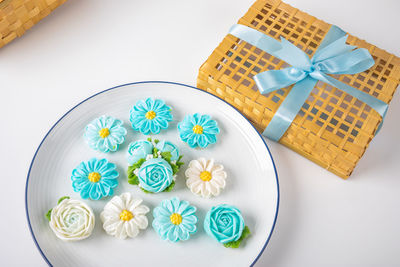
pixel 333 129
pixel 17 16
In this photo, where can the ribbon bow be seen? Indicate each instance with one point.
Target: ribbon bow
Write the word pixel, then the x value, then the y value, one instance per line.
pixel 333 56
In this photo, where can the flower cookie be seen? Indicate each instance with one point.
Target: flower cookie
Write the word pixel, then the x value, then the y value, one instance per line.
pixel 198 130
pixel 175 220
pixel 153 165
pixel 105 134
pixel 226 225
pixel 71 220
pixel 150 116
pixel 95 179
pixel 205 178
pixel 123 216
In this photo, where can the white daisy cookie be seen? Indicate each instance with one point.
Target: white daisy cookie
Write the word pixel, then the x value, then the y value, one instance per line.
pixel 205 178
pixel 123 216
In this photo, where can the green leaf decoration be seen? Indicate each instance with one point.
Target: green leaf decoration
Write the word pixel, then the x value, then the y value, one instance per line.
pixel 170 187
pixel 147 192
pixel 155 150
pixel 130 171
pixel 235 244
pixel 167 156
pixel 156 141
pixel 149 139
pixel 175 169
pixel 179 162
pixel 62 198
pixel 48 215
pixel 132 178
pixel 138 164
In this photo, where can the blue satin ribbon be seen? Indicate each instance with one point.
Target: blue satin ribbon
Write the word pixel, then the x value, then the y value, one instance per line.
pixel 333 56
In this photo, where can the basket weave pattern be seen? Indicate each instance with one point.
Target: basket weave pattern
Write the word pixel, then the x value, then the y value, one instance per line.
pixel 333 129
pixel 17 16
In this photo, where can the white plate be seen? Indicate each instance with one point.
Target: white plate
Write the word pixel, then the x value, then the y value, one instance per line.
pixel 252 183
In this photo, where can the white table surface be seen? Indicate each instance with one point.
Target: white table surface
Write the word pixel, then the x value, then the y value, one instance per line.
pixel 88 46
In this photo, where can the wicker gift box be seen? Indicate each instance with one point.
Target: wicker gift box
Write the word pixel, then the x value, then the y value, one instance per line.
pixel 18 16
pixel 333 129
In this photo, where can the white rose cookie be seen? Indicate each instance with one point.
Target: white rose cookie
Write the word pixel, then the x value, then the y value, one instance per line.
pixel 71 219
pixel 205 178
pixel 124 215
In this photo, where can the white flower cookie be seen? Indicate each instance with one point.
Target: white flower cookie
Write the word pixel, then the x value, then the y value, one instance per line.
pixel 71 220
pixel 205 178
pixel 124 215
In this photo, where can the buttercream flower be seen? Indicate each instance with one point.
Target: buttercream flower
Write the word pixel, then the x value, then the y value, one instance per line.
pixel 95 179
pixel 198 130
pixel 150 116
pixel 166 146
pixel 205 178
pixel 105 134
pixel 139 150
pixel 155 175
pixel 175 220
pixel 71 219
pixel 123 216
pixel 225 224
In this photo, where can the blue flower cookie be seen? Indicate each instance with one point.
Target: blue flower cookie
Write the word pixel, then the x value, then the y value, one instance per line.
pixel 198 130
pixel 150 116
pixel 226 225
pixel 153 165
pixel 95 179
pixel 105 134
pixel 175 220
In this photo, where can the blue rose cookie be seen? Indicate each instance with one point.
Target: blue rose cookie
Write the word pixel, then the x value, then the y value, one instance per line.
pixel 139 150
pixel 198 130
pixel 153 165
pixel 175 220
pixel 226 225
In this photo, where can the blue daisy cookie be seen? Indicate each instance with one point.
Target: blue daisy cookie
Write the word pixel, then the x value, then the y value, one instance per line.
pixel 95 178
pixel 175 220
pixel 150 116
pixel 105 134
pixel 198 130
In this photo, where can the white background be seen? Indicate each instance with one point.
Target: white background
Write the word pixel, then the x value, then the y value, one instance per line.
pixel 88 46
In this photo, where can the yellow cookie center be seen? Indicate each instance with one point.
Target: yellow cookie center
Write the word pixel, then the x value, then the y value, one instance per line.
pixel 197 129
pixel 150 115
pixel 205 176
pixel 104 132
pixel 94 177
pixel 175 218
pixel 126 215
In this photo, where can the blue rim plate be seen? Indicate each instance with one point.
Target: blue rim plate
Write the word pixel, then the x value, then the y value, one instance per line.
pixel 130 84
